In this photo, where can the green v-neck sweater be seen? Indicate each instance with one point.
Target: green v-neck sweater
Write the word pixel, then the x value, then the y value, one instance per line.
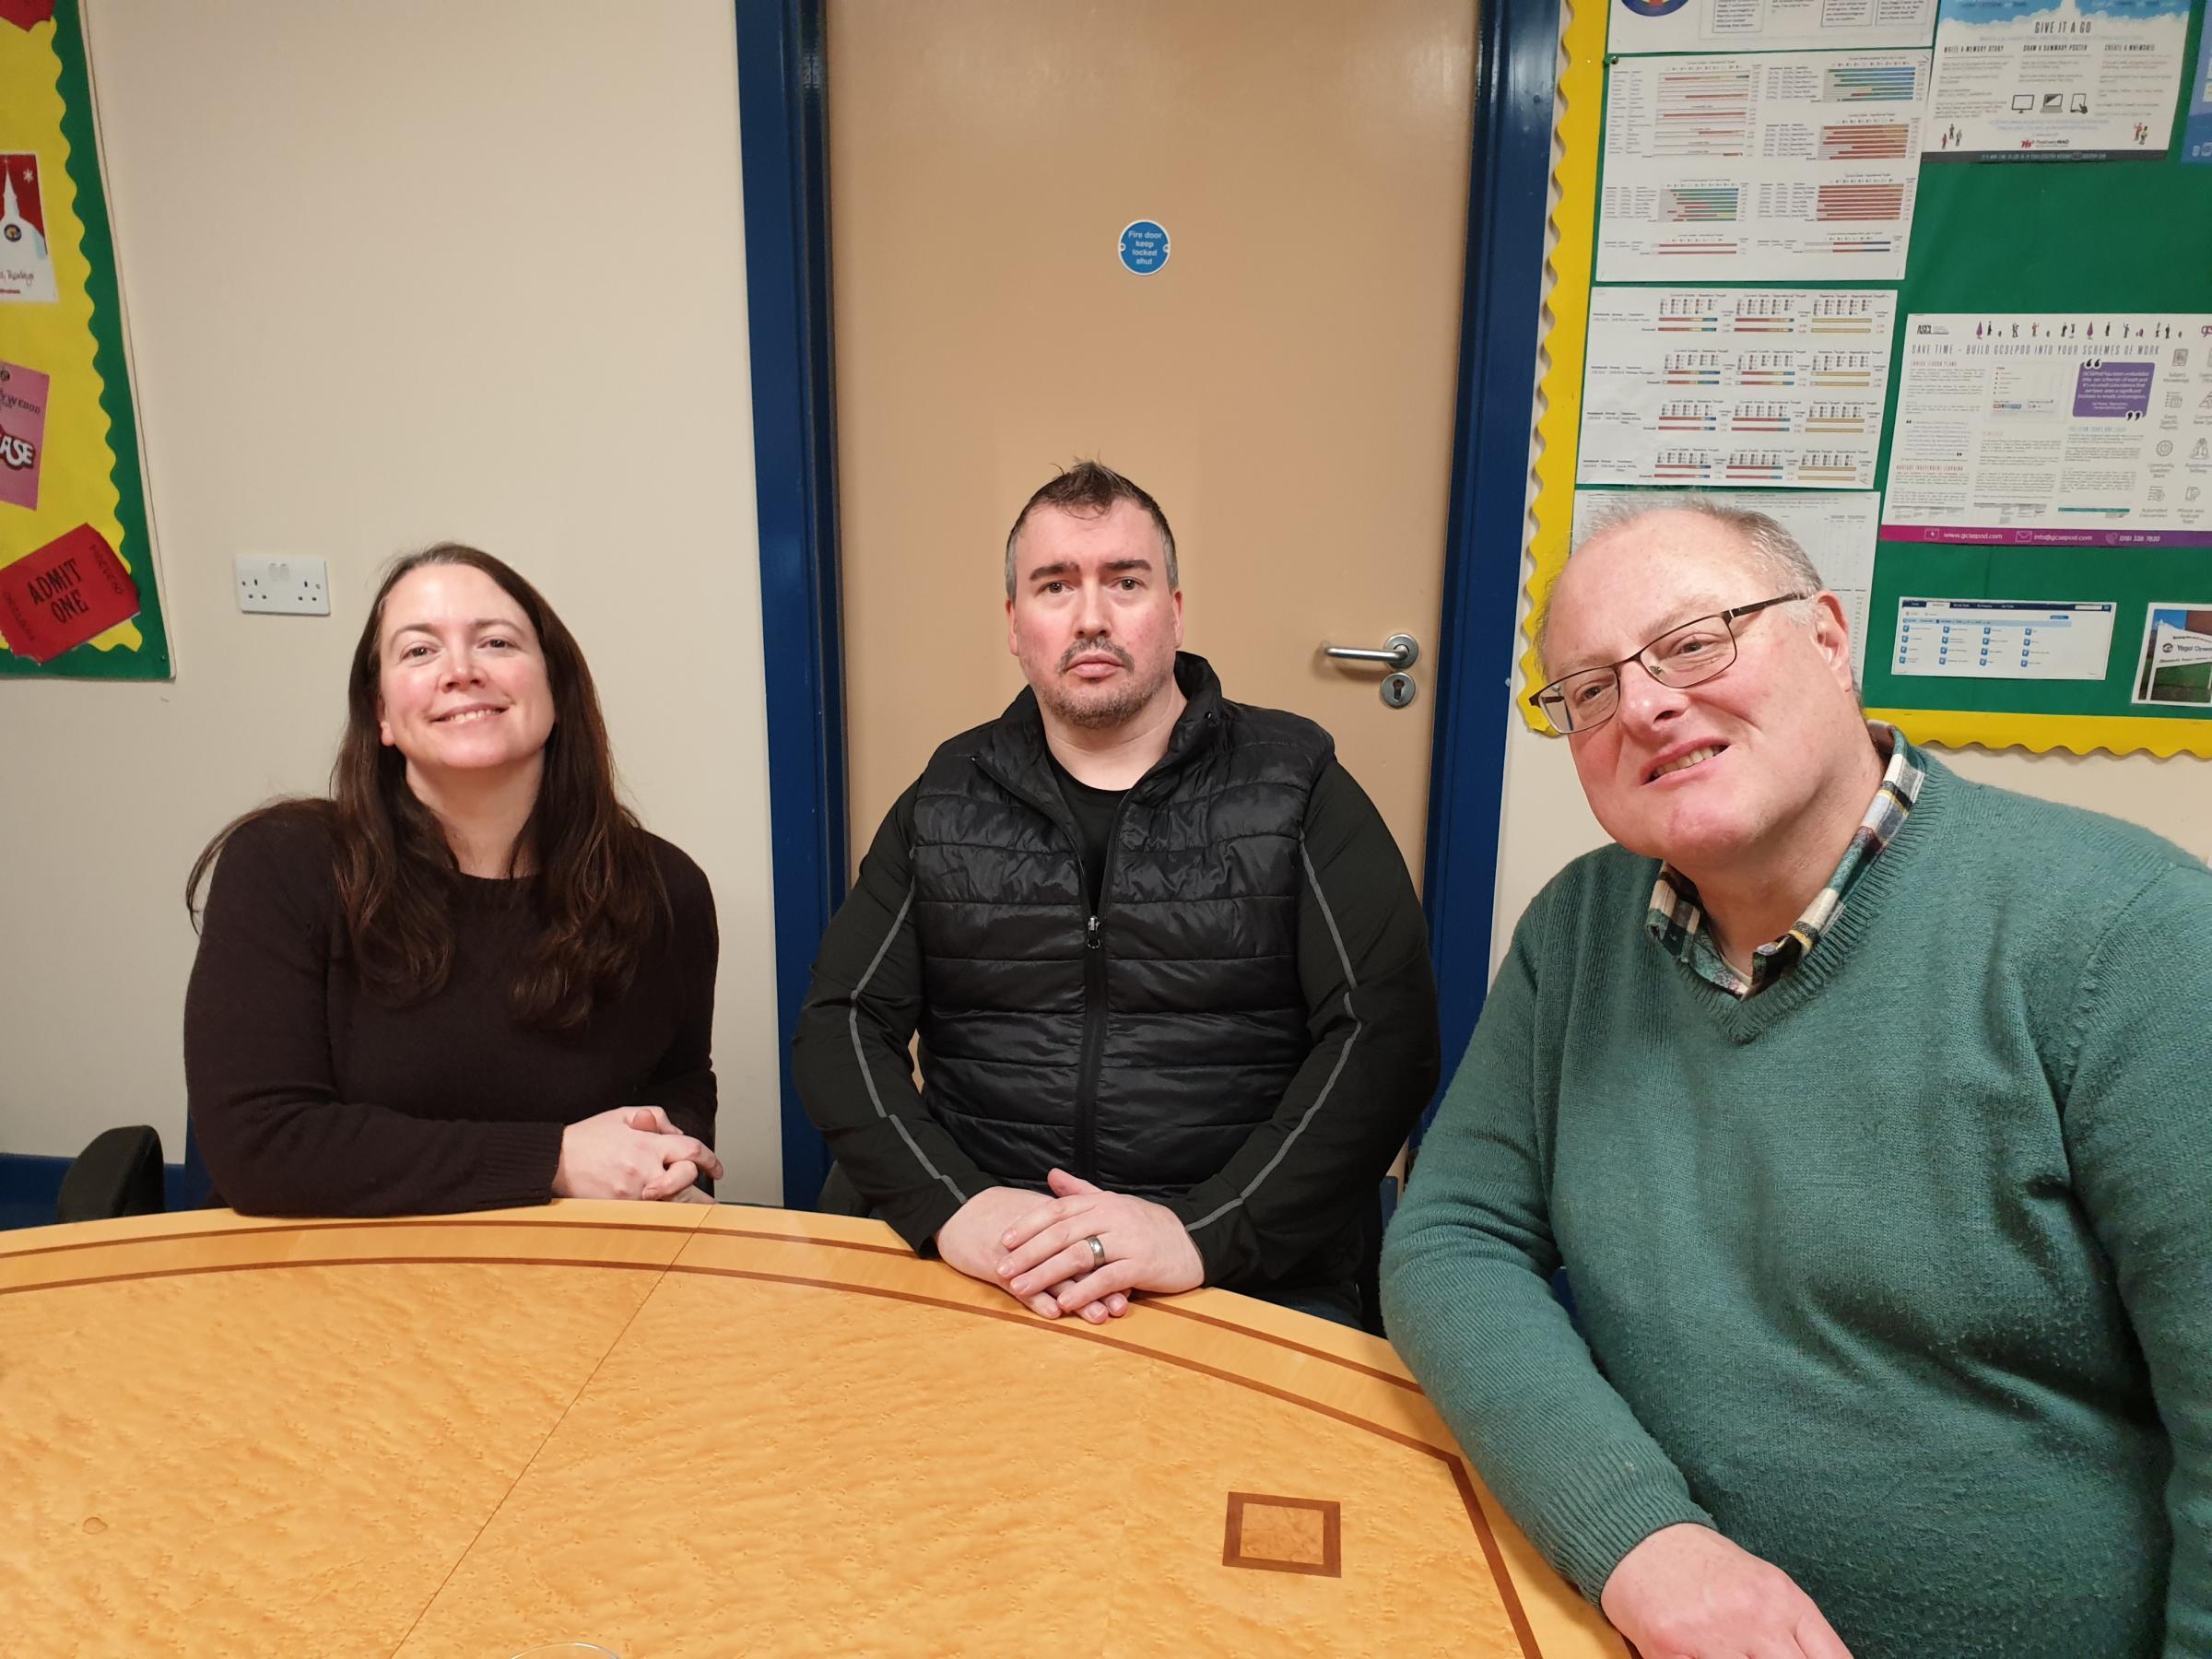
pixel 1899 1272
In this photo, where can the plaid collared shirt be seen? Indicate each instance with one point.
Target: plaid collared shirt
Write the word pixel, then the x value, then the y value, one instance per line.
pixel 1676 919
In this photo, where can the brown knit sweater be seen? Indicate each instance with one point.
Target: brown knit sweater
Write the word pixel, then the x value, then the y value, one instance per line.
pixel 312 1096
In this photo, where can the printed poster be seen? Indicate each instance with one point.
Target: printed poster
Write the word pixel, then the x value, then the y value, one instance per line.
pixel 1734 388
pixel 1789 166
pixel 25 268
pixel 22 433
pixel 2175 669
pixel 2003 638
pixel 1837 532
pixel 1766 25
pixel 2085 80
pixel 2088 429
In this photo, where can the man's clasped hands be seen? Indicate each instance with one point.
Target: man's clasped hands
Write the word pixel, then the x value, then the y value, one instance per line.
pixel 1082 1251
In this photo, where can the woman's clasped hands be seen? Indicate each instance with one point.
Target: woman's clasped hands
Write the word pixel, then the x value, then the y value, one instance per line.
pixel 632 1152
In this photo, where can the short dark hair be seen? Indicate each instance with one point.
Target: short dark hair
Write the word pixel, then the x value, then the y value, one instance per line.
pixel 1091 488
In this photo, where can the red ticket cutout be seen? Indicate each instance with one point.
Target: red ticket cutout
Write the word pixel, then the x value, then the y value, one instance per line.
pixel 58 597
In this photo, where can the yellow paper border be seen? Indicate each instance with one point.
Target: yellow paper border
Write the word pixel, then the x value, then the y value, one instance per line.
pixel 2119 734
pixel 1574 225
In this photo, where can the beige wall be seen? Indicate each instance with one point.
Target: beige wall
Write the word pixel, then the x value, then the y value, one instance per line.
pixel 392 273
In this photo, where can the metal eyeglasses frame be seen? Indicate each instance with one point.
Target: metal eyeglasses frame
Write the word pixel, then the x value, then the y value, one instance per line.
pixel 1552 702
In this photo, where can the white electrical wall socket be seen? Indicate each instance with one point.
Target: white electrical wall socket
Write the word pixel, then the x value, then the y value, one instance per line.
pixel 283 586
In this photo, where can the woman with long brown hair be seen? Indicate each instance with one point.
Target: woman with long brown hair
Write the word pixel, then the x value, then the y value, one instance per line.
pixel 469 978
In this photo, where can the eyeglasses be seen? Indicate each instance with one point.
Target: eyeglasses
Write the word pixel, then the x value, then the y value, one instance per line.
pixel 1685 656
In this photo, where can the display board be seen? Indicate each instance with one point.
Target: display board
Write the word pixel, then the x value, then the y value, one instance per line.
pixel 1889 268
pixel 77 594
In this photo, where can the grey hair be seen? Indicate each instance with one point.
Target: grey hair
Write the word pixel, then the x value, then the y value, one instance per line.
pixel 1774 549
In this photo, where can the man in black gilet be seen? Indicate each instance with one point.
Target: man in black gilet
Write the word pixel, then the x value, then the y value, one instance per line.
pixel 1170 978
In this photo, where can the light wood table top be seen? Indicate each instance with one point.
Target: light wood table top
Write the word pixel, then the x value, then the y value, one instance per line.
pixel 683 1430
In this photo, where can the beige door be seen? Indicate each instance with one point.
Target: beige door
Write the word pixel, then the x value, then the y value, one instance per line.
pixel 1283 384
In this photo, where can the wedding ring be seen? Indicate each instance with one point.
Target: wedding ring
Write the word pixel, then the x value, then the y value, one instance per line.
pixel 1098 1252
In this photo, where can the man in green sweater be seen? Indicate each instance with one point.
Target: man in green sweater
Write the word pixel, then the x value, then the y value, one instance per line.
pixel 1869 1112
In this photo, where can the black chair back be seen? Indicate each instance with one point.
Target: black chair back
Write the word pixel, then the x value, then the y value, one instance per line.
pixel 118 1174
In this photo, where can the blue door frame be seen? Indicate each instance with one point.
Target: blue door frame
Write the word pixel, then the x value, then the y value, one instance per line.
pixel 785 166
pixel 1508 207
pixel 782 76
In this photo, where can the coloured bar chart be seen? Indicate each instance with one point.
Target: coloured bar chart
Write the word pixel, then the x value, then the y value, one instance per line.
pixel 1787 165
pixel 1734 388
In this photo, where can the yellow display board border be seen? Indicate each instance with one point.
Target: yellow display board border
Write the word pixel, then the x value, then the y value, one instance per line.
pixel 1577 133
pixel 1575 138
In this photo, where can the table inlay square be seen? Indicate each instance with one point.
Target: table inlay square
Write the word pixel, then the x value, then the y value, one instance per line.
pixel 1284 1534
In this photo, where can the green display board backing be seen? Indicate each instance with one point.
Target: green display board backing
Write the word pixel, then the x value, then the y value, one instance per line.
pixel 2048 236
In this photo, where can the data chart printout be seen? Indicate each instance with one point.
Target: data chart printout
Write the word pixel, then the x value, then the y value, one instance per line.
pixel 1734 388
pixel 1787 165
pixel 2024 79
pixel 2003 639
pixel 1764 25
pixel 1837 531
pixel 2087 429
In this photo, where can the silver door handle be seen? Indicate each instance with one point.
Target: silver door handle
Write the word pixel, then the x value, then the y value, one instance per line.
pixel 1401 651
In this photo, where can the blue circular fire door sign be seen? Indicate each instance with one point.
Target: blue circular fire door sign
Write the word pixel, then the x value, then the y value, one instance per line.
pixel 1144 247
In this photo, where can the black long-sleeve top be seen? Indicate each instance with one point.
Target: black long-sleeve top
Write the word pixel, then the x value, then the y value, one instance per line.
pixel 1298 1180
pixel 312 1095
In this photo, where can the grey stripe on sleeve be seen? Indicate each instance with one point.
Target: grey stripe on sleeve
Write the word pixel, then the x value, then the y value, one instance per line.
pixel 860 1055
pixel 1352 983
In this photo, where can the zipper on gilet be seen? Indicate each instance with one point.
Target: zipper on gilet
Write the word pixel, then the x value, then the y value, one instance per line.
pixel 1094 1006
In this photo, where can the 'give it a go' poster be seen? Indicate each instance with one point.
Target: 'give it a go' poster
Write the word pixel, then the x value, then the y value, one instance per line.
pixel 77 594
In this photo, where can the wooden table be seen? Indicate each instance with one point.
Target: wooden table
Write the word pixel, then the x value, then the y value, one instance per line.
pixel 677 1429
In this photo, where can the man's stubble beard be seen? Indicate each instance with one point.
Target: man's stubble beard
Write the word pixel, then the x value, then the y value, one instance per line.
pixel 1108 710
